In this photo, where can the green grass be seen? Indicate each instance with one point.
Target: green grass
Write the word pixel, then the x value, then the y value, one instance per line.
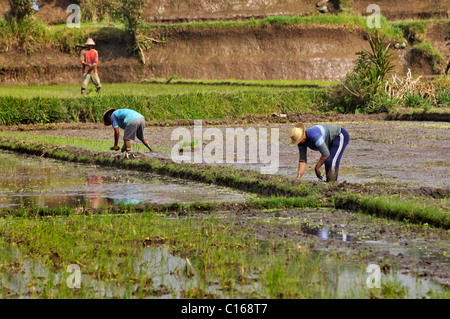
pixel 58 104
pixel 156 87
pixel 426 50
pixel 35 35
pixel 415 30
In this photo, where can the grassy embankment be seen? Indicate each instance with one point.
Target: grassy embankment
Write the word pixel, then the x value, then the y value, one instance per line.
pixel 415 32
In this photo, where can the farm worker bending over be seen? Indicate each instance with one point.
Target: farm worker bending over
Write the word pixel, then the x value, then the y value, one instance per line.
pixel 89 60
pixel 330 140
pixel 131 122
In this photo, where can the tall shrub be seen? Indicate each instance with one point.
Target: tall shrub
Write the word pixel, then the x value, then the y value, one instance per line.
pixel 20 10
pixel 130 12
pixel 366 80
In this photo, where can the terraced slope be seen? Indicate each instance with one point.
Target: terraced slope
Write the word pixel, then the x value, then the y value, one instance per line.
pixel 273 51
pixel 54 11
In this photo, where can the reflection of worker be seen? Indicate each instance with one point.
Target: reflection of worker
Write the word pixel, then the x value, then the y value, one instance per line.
pixel 330 140
pixel 89 60
pixel 94 179
pixel 131 122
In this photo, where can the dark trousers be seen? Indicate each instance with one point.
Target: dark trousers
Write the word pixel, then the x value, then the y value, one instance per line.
pixel 336 150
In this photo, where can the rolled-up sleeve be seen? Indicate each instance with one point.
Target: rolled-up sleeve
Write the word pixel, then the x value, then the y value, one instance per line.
pixel 323 149
pixel 114 121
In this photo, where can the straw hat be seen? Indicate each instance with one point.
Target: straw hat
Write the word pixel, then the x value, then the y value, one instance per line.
pixel 107 120
pixel 90 42
pixel 297 134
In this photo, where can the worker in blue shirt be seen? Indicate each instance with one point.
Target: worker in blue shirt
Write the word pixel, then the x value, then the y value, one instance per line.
pixel 131 122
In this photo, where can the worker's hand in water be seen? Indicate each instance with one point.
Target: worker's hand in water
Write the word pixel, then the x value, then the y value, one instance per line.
pixel 148 146
pixel 317 170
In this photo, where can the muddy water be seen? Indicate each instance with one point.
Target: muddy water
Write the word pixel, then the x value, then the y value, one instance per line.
pixel 404 153
pixel 44 182
pixel 415 250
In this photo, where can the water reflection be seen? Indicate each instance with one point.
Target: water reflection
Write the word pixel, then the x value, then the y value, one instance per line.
pixel 413 250
pixel 31 181
pixel 327 233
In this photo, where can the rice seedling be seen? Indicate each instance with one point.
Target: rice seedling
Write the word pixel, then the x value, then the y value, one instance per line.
pixel 132 254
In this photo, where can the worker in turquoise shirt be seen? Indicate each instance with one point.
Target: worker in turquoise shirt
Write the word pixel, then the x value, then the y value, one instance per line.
pixel 131 122
pixel 329 139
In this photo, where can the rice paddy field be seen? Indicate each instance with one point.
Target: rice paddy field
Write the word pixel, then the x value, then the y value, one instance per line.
pixel 78 220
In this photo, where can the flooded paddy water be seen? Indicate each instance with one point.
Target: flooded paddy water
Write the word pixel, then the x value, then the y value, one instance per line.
pixel 176 277
pixel 328 229
pixel 171 275
pixel 414 154
pixel 415 259
pixel 31 181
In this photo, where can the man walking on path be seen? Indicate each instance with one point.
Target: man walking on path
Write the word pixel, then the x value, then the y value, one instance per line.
pixel 131 122
pixel 89 60
pixel 330 140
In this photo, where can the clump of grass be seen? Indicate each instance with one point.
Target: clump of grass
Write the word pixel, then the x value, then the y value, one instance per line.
pixel 428 52
pixel 397 208
pixel 411 92
pixel 188 145
pixel 414 30
pixel 28 35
